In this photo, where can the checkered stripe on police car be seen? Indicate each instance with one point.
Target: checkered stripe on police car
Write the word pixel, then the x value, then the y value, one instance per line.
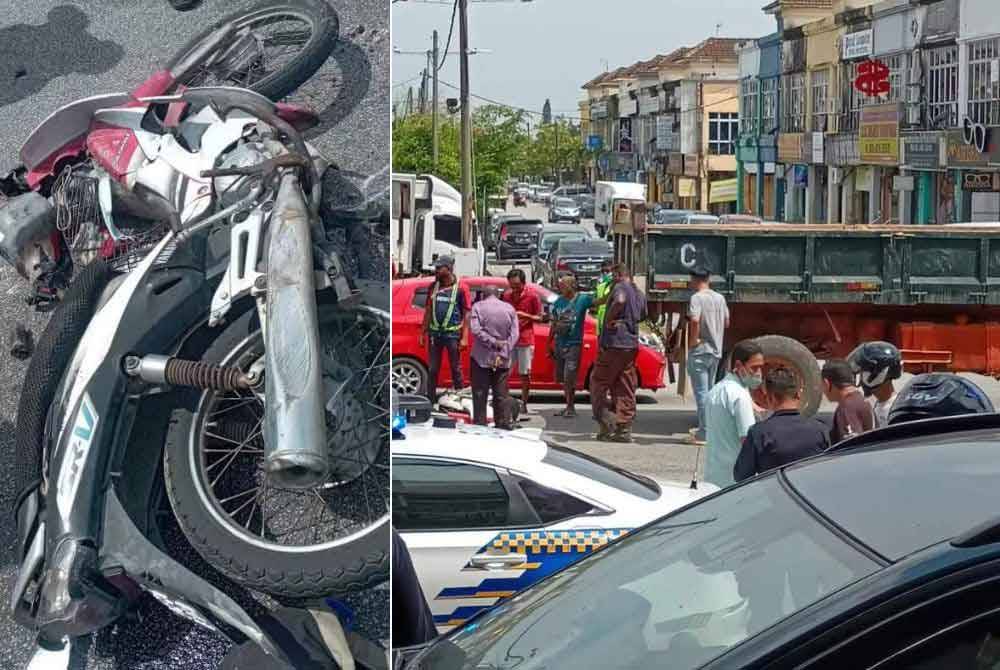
pixel 553 541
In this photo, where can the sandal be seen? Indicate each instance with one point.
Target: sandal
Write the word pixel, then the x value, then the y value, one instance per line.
pixel 566 413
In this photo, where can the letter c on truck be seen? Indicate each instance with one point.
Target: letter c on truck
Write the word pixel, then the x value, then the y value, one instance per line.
pixel 689 255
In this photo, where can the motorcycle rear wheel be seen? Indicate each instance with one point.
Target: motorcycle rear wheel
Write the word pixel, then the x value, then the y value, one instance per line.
pixel 324 27
pixel 291 544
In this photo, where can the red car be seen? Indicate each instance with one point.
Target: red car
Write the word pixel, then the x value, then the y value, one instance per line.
pixel 409 360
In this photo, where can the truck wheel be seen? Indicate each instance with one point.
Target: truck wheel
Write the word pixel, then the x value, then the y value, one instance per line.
pixel 780 351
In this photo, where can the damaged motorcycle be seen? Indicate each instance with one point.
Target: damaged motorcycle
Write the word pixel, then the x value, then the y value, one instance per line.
pixel 205 340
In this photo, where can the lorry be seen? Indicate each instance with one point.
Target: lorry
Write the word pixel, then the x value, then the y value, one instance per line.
pixel 426 223
pixel 809 292
pixel 616 200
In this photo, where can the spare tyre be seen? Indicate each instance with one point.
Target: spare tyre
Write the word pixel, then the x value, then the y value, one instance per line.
pixel 781 351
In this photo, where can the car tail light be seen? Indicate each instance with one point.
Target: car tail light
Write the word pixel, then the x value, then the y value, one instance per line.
pixel 503 232
pixel 561 265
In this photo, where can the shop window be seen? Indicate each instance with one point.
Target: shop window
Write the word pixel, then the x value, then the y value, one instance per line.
pixel 942 87
pixel 723 131
pixel 793 103
pixel 820 83
pixel 984 81
pixel 852 99
pixel 769 105
pixel 749 90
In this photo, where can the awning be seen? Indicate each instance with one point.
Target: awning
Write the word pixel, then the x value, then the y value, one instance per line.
pixel 685 188
pixel 722 191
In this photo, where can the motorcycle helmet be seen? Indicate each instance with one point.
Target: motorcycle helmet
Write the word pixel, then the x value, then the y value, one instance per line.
pixel 875 363
pixel 936 395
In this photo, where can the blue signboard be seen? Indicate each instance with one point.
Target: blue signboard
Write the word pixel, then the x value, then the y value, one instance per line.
pixel 595 142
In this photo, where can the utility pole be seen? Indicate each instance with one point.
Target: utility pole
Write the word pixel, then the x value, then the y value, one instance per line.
pixel 558 161
pixel 466 130
pixel 434 104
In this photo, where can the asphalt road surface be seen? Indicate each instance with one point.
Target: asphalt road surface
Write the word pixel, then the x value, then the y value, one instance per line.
pixel 52 53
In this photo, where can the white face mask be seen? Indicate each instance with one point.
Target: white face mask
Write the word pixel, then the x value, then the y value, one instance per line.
pixel 750 381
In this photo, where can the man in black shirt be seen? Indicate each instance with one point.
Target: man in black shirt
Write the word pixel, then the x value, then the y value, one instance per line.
pixel 412 621
pixel 785 436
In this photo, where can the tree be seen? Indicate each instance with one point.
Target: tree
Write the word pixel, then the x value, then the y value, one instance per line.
pixel 556 147
pixel 498 141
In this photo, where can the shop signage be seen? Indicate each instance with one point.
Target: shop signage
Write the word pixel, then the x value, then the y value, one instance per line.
pixel 963 154
pixel 622 161
pixel 818 156
pixel 878 141
pixel 595 142
pixel 649 104
pixel 750 168
pixel 873 78
pixel 627 106
pixel 856 45
pixel 599 110
pixel 922 153
pixel 864 178
pixel 790 148
pixel 800 175
pixel 981 182
pixel 675 163
pixel 902 183
pixel 691 165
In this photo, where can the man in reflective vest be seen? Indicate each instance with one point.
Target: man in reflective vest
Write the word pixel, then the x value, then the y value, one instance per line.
pixel 601 292
pixel 445 318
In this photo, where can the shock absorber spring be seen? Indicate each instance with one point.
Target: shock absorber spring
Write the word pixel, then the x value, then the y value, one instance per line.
pixel 180 372
pixel 157 369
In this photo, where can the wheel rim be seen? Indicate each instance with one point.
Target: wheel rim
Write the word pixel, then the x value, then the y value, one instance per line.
pixel 265 42
pixel 406 378
pixel 226 446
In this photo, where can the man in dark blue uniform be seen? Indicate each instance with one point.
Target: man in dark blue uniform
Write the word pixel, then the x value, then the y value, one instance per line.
pixel 786 436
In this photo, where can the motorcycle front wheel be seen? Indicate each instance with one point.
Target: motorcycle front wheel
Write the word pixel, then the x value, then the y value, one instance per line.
pixel 277 47
pixel 290 543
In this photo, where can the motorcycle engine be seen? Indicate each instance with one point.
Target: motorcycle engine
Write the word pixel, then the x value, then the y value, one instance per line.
pixel 246 153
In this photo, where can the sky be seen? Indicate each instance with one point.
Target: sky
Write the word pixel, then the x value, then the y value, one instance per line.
pixel 549 48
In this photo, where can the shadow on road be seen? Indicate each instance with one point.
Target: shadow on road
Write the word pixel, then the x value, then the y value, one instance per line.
pixel 33 55
pixel 351 81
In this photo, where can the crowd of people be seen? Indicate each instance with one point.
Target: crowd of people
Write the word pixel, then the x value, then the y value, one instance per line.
pixel 500 329
pixel 743 436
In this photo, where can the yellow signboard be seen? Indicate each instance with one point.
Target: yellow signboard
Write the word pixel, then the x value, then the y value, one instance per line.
pixel 878 142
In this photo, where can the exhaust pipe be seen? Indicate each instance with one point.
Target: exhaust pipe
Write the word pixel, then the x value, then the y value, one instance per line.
pixel 295 450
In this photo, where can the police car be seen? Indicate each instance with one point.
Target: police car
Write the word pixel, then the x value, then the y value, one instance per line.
pixel 486 513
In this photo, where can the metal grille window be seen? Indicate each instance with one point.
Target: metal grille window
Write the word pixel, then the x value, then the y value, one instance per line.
pixel 749 90
pixel 851 98
pixel 942 87
pixel 897 77
pixel 769 105
pixel 984 81
pixel 820 82
pixel 793 103
pixel 723 131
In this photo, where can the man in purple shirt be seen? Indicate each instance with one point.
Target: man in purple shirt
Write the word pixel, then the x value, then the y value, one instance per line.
pixel 493 324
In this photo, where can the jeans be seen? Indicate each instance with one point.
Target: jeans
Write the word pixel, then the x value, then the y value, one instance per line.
pixel 439 345
pixel 702 369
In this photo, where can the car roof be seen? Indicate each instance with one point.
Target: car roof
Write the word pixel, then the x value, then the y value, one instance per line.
pixel 898 496
pixel 506 449
pixel 563 228
pixel 575 245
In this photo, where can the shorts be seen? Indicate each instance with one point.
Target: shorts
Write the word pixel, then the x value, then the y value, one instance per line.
pixel 567 363
pixel 522 359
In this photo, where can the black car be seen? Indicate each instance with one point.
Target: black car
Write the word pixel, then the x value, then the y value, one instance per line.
pixel 495 224
pixel 883 554
pixel 518 238
pixel 577 256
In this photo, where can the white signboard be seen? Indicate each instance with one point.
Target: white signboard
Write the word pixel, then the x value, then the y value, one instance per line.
pixel 666 138
pixel 599 110
pixel 649 104
pixel 817 148
pixel 902 183
pixel 856 45
pixel 627 106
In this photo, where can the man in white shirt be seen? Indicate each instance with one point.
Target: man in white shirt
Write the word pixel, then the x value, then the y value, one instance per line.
pixel 729 413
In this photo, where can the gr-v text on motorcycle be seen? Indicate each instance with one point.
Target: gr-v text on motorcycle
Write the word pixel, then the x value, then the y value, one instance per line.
pixel 175 232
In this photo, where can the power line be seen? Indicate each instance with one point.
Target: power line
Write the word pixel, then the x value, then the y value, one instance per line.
pixel 447 44
pixel 408 81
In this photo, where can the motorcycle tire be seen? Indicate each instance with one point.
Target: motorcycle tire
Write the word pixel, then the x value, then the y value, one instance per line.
pixel 280 84
pixel 291 573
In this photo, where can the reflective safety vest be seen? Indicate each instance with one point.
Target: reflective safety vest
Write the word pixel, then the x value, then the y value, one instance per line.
pixel 603 288
pixel 447 326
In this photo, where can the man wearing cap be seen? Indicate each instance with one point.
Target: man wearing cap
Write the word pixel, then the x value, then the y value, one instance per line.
pixel 446 315
pixel 708 315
